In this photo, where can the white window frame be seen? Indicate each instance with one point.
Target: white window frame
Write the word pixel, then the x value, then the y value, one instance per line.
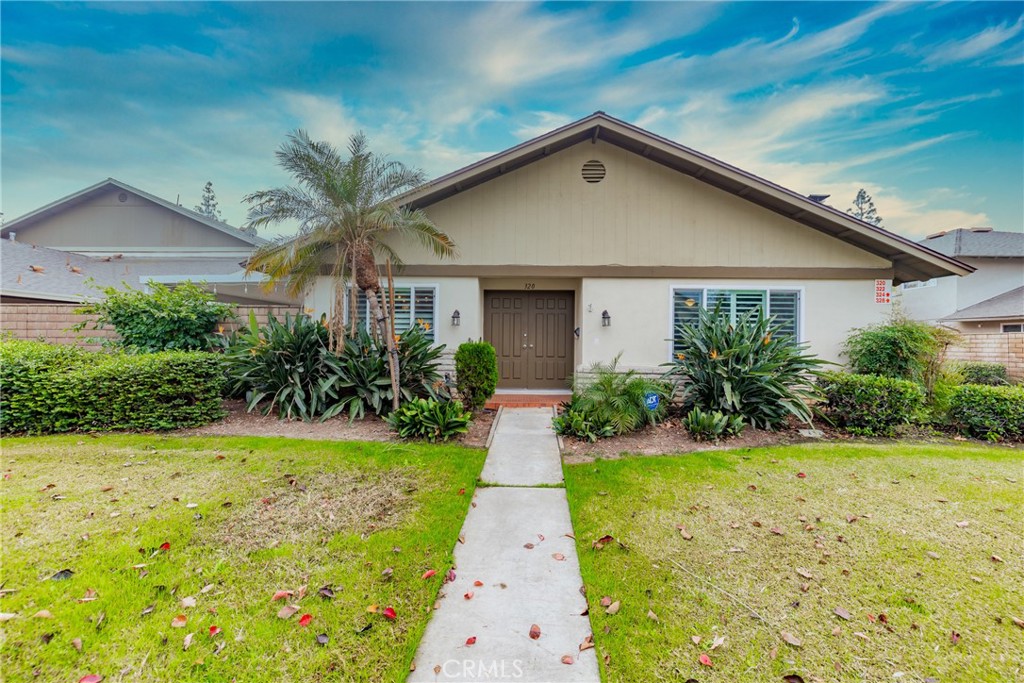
pixel 1003 326
pixel 705 286
pixel 412 286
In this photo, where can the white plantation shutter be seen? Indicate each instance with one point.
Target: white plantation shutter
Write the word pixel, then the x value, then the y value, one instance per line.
pixel 783 304
pixel 413 305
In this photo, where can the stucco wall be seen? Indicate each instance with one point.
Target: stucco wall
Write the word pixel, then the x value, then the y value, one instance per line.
pixel 993 277
pixel 640 309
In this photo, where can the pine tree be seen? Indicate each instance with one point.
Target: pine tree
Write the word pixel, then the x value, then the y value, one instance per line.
pixel 208 207
pixel 864 208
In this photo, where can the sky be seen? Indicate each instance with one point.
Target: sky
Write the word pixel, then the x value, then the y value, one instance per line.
pixel 919 103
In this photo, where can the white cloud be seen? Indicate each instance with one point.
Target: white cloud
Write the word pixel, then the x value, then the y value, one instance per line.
pixel 980 44
pixel 541 122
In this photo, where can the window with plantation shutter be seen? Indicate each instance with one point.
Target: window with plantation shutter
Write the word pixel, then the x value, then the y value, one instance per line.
pixel 783 304
pixel 413 306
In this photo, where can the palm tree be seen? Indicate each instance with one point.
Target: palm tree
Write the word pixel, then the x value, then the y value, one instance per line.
pixel 345 211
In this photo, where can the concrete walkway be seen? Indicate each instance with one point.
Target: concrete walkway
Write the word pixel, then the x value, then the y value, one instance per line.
pixel 515 546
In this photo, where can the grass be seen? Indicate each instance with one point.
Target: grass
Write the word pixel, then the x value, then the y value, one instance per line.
pixel 269 514
pixel 907 501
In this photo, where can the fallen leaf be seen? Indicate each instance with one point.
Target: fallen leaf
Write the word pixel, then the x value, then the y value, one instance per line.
pixel 389 613
pixel 462 539
pixel 478 583
pixel 534 632
pixel 602 542
pixel 322 639
pixel 558 556
pixel 587 643
pixel 996 558
pixel 437 669
pixel 165 546
pixel 792 678
pixel 954 637
pixel 790 639
pixel 179 621
pixel 836 631
pixel 529 546
pixel 188 641
pixel 851 518
pixel 705 660
pixel 214 630
pixel 427 574
pixel 932 554
pixel 687 536
pixel 91 678
pixel 326 592
pixel 188 602
pixel 567 659
pixel 7 616
pixel 471 640
pixel 777 531
pixel 861 635
pixel 717 642
pixel 62 575
pixel 43 614
pixel 192 506
pixel 468 595
pixel 842 613
pixel 695 639
pixel 462 492
pixel 751 487
pixel 372 609
pixel 287 611
pixel 613 608
pixel 963 525
pixel 387 573
pixel 280 595
pixel 305 619
pixel 605 601
pixel 1017 621
pixel 148 610
pixel 801 475
pixel 805 574
pixel 450 576
pixel 652 616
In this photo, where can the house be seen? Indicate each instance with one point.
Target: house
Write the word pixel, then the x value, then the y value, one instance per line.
pixel 989 300
pixel 600 237
pixel 114 233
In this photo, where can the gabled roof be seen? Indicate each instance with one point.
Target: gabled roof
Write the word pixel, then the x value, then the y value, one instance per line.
pixel 977 242
pixel 54 207
pixel 910 260
pixel 1008 305
pixel 50 274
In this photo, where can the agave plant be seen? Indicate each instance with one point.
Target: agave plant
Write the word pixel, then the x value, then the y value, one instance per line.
pixel 748 368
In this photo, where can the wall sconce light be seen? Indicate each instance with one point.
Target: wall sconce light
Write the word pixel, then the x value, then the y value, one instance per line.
pixel 606 319
pixel 456 318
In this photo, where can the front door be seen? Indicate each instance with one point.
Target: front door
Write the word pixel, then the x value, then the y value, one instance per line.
pixel 532 334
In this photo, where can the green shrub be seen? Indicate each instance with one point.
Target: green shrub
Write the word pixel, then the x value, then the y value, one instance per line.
pixel 986 412
pixel 48 389
pixel 616 399
pixel 946 382
pixel 992 374
pixel 476 373
pixel 750 368
pixel 161 319
pixel 430 419
pixel 365 380
pixel 901 348
pixel 287 365
pixel 574 421
pixel 712 426
pixel 870 404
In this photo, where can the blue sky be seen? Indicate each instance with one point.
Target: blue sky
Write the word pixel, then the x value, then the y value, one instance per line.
pixel 920 103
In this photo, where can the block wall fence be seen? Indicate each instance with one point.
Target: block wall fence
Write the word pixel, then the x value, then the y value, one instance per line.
pixel 52 322
pixel 1006 349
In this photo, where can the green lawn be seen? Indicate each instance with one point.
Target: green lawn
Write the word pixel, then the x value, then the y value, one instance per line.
pixel 913 568
pixel 244 518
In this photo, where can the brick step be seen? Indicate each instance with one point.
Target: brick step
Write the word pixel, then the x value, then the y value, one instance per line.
pixel 526 400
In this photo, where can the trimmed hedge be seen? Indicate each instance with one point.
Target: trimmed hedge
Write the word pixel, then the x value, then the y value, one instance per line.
pixel 870 404
pixel 984 373
pixel 476 373
pixel 988 412
pixel 48 388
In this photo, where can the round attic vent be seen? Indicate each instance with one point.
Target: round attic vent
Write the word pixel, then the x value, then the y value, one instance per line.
pixel 123 197
pixel 593 171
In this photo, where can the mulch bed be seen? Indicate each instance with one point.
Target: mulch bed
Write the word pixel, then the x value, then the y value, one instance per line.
pixel 238 422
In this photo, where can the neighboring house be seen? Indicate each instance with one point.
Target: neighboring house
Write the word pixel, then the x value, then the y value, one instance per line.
pixel 114 233
pixel 989 300
pixel 599 238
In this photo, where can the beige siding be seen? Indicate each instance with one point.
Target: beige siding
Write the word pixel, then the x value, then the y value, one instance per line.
pixel 641 214
pixel 104 222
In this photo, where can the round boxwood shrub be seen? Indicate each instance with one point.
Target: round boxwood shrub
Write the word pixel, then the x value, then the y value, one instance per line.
pixel 870 404
pixel 476 373
pixel 985 412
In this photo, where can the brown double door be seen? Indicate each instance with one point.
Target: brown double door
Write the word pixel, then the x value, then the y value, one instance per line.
pixel 532 334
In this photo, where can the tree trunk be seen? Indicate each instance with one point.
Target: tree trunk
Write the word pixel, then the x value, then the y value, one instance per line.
pixel 368 280
pixel 353 299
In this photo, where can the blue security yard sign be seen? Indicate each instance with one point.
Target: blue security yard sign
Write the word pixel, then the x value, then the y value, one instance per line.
pixel 651 400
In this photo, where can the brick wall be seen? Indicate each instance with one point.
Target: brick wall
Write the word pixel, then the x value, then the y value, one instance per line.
pixel 1005 348
pixel 52 322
